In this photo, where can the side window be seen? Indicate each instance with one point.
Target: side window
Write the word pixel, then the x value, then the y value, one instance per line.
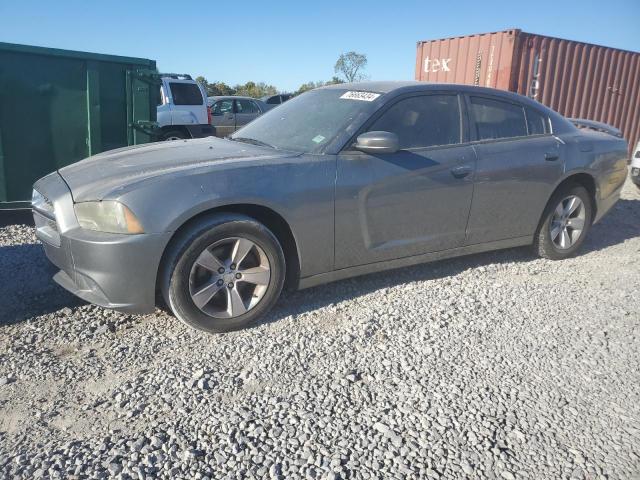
pixel 185 93
pixel 221 107
pixel 537 124
pixel 422 121
pixel 247 106
pixel 273 100
pixel 497 119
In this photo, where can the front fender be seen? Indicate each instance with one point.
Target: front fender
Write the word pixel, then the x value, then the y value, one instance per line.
pixel 301 191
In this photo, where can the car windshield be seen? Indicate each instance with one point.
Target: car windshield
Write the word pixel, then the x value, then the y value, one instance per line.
pixel 308 122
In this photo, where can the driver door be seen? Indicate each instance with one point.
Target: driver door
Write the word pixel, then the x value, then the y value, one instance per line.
pixel 223 117
pixel 411 202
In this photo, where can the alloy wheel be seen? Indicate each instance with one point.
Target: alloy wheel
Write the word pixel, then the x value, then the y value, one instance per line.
pixel 229 277
pixel 568 222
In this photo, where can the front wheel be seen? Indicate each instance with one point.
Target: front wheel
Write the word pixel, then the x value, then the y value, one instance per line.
pixel 224 273
pixel 565 223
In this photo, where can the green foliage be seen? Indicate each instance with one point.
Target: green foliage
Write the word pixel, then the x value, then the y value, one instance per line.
pixel 255 90
pixel 259 89
pixel 220 88
pixel 350 66
pixel 311 85
pixel 250 89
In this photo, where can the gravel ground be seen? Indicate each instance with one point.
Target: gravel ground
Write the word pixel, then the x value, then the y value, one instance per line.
pixel 497 365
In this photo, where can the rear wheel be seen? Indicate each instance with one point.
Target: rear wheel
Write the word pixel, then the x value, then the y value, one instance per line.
pixel 224 273
pixel 565 223
pixel 173 135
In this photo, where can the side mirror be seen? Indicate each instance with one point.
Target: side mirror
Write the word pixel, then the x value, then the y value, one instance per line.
pixel 377 142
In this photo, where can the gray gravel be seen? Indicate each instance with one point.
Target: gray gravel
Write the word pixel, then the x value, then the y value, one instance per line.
pixel 498 365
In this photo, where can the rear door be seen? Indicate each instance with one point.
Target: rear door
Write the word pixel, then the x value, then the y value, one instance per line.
pixel 411 202
pixel 519 161
pixel 223 117
pixel 188 104
pixel 246 111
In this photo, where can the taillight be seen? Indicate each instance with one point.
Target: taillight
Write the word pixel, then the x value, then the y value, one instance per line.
pixel 209 114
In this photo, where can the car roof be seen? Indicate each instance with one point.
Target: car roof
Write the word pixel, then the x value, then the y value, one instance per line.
pixel 400 87
pixel 379 87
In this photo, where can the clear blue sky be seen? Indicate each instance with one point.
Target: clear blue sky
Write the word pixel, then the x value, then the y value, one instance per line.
pixel 290 42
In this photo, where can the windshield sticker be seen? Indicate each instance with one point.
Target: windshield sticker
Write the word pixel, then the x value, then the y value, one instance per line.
pixel 317 139
pixel 364 96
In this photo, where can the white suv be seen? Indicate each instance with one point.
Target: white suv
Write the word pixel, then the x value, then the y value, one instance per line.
pixel 182 109
pixel 635 166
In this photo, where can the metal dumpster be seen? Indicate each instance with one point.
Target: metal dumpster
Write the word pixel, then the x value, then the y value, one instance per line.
pixel 60 106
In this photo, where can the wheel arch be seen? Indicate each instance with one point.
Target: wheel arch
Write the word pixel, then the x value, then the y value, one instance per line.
pixel 582 178
pixel 174 128
pixel 267 216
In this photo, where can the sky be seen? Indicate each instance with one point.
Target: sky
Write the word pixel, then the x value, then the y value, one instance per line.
pixel 287 43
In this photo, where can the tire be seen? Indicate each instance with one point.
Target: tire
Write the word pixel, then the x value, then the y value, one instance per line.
pixel 192 272
pixel 547 242
pixel 173 135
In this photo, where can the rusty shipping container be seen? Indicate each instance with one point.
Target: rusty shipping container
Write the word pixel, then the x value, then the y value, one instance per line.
pixel 579 80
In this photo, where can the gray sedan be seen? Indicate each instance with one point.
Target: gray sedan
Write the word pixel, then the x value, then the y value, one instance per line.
pixel 228 114
pixel 340 181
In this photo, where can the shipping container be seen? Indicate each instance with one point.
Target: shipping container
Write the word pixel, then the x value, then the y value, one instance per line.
pixel 579 80
pixel 59 106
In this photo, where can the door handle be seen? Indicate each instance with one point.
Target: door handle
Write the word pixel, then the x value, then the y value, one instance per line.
pixel 550 157
pixel 461 171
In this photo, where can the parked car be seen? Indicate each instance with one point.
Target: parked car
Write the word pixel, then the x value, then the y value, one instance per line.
pixel 229 113
pixel 340 181
pixel 275 100
pixel 635 166
pixel 182 109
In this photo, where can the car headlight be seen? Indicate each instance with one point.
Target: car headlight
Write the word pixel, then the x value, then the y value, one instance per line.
pixel 107 216
pixel 41 203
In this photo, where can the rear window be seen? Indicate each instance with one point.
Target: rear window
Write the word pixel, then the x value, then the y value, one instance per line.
pixel 496 119
pixel 537 124
pixel 185 93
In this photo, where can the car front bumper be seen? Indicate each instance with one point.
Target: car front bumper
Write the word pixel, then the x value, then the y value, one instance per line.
pixel 111 270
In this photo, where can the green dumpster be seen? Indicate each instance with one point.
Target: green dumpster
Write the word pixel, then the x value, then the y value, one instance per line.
pixel 60 106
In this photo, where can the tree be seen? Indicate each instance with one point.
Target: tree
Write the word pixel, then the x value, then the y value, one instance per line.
pixel 255 90
pixel 350 65
pixel 311 85
pixel 305 87
pixel 220 88
pixel 203 81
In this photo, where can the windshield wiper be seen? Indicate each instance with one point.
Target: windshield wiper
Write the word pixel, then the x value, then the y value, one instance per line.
pixel 252 141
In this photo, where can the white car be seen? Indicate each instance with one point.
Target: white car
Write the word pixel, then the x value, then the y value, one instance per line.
pixel 635 166
pixel 182 109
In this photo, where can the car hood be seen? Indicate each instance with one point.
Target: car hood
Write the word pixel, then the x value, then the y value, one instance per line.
pixel 109 173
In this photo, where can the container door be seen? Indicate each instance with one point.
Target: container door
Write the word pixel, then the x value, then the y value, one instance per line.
pixel 142 101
